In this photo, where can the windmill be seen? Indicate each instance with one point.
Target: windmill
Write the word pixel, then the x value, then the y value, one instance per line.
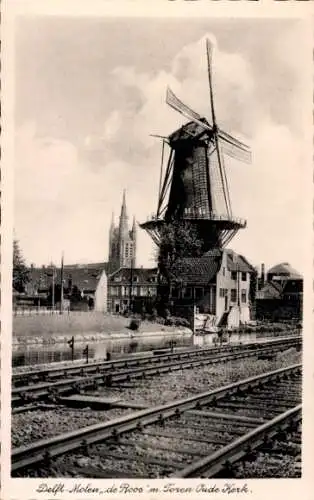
pixel 193 183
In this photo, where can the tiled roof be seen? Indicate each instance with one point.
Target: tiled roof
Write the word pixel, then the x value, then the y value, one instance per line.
pixel 237 262
pixel 140 274
pixel 85 277
pixel 198 270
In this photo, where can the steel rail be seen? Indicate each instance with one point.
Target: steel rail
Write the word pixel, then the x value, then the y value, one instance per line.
pixel 46 449
pixel 224 458
pixel 29 393
pixel 108 365
pixel 134 361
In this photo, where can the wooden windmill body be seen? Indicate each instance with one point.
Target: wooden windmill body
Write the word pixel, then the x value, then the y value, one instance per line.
pixel 193 184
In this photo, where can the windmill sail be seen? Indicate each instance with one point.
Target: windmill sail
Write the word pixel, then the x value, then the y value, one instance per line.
pixel 195 185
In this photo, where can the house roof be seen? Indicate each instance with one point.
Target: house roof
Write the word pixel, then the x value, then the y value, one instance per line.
pixel 237 262
pixel 141 274
pixel 84 276
pixel 198 270
pixel 269 291
pixel 285 270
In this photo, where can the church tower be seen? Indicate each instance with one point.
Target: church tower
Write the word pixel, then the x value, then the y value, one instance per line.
pixel 122 241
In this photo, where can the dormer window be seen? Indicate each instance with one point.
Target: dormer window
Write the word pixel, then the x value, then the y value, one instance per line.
pixel 135 279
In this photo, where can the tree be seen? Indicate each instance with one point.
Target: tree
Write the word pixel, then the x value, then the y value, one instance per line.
pixel 20 271
pixel 178 240
pixel 253 286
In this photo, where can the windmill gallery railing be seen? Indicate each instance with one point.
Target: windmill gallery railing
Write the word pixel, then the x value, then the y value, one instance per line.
pixel 201 214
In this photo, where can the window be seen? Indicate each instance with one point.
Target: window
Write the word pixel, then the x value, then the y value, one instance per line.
pixel 243 276
pixel 223 271
pixel 233 295
pixel 135 279
pixel 199 292
pixel 188 292
pixel 243 296
pixel 117 278
pixel 234 275
pixel 221 292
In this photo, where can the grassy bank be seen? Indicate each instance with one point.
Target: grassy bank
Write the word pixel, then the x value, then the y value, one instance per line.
pixel 77 323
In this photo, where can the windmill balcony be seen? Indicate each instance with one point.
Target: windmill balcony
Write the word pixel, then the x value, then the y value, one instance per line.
pixel 205 215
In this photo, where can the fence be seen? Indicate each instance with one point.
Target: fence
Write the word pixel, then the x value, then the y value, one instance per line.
pixel 36 311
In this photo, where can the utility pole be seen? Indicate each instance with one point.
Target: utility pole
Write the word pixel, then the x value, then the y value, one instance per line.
pixel 61 298
pixel 131 285
pixel 53 289
pixel 238 283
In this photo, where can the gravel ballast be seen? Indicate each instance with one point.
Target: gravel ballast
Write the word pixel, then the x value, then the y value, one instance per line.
pixel 34 425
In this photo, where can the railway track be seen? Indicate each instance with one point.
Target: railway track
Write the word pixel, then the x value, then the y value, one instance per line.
pixel 199 436
pixel 115 372
pixel 49 374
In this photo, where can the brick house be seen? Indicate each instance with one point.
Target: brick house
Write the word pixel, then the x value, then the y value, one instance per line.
pixel 130 288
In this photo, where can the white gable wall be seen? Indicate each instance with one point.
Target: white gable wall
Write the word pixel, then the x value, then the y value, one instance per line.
pixel 227 295
pixel 100 303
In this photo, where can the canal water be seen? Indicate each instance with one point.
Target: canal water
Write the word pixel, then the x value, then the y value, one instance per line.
pixel 36 354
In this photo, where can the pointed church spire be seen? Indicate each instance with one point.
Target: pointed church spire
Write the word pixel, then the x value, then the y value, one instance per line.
pixel 134 225
pixel 123 206
pixel 123 226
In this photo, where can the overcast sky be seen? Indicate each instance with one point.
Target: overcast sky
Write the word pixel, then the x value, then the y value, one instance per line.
pixel 90 92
